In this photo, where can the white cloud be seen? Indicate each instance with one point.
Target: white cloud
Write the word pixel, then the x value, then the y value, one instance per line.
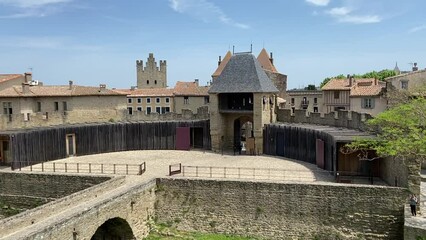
pixel 318 2
pixel 416 29
pixel 33 8
pixel 31 3
pixel 339 11
pixel 205 11
pixel 345 15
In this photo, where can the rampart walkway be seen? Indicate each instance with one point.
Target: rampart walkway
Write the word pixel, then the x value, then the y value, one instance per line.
pixel 157 163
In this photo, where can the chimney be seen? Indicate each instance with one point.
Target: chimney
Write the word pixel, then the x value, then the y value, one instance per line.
pixel 71 83
pixel 415 68
pixel 196 81
pixel 220 61
pixel 25 88
pixel 28 77
pixel 271 58
pixel 132 88
pixel 376 81
pixel 351 80
pixel 102 87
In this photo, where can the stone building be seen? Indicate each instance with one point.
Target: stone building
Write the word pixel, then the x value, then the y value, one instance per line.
pixel 9 80
pixel 241 93
pixel 190 95
pixel 34 106
pixel 310 100
pixel 409 81
pixel 150 100
pixel 363 95
pixel 150 75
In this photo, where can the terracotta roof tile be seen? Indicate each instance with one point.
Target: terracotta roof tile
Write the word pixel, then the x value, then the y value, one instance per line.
pixel 222 64
pixel 190 89
pixel 360 86
pixel 148 92
pixel 367 88
pixel 56 91
pixel 7 77
pixel 265 61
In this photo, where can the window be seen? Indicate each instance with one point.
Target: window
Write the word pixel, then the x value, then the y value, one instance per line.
pixel 292 110
pixel 129 100
pixel 305 100
pixel 148 100
pixel 157 100
pixel 130 110
pixel 404 84
pixel 207 99
pixel 155 82
pixel 315 109
pixel 147 82
pixel 65 105
pixel 38 107
pixel 148 110
pixel 305 107
pixel 336 94
pixel 165 110
pixel 56 106
pixel 315 100
pixel 158 110
pixel 139 100
pixel 7 108
pixel 185 100
pixel 167 100
pixel 139 109
pixel 292 101
pixel 368 103
pixel 26 117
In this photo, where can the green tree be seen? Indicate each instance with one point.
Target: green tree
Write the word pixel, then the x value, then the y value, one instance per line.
pixel 401 132
pixel 311 87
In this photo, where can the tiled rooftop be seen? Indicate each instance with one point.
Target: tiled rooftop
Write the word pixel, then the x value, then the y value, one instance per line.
pixel 7 77
pixel 54 91
pixel 359 87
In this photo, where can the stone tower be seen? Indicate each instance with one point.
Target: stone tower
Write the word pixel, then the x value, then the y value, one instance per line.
pixel 151 76
pixel 242 101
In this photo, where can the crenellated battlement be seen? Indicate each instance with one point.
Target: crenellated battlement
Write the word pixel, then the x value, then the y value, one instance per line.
pixel 151 75
pixel 346 119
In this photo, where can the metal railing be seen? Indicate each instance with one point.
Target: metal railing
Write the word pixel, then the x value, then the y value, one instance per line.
pixel 257 173
pixel 175 169
pixel 95 168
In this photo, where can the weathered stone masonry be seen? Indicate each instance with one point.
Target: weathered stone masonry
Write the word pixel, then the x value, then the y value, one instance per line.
pixel 282 211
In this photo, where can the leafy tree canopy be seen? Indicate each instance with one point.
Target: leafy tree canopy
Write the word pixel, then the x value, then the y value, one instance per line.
pixel 381 75
pixel 402 131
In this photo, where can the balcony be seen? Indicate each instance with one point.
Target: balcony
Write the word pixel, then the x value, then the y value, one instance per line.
pixel 236 103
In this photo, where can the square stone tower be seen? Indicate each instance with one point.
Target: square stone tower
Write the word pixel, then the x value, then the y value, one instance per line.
pixel 242 101
pixel 151 76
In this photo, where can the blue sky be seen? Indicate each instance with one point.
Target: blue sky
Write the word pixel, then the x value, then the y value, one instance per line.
pixel 98 41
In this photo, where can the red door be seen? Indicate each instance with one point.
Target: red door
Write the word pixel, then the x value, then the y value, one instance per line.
pixel 320 153
pixel 183 141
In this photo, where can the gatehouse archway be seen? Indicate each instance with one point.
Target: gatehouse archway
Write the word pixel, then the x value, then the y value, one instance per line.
pixel 243 134
pixel 114 229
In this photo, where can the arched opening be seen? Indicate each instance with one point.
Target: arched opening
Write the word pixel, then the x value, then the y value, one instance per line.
pixel 114 229
pixel 243 135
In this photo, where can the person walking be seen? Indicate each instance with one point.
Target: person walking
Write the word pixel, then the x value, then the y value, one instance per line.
pixel 413 204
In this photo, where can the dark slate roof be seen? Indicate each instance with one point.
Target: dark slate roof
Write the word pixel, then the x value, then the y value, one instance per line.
pixel 243 73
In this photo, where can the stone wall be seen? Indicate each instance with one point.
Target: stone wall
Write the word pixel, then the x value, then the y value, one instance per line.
pixel 45 186
pixel 186 114
pixel 346 119
pixel 282 211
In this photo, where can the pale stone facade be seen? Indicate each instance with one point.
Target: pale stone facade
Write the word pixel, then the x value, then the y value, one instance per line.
pixel 190 96
pixel 150 75
pixel 364 95
pixel 309 100
pixel 9 80
pixel 408 81
pixel 34 106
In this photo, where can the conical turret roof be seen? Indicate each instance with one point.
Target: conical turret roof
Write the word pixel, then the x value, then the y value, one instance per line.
pixel 265 61
pixel 243 73
pixel 222 64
